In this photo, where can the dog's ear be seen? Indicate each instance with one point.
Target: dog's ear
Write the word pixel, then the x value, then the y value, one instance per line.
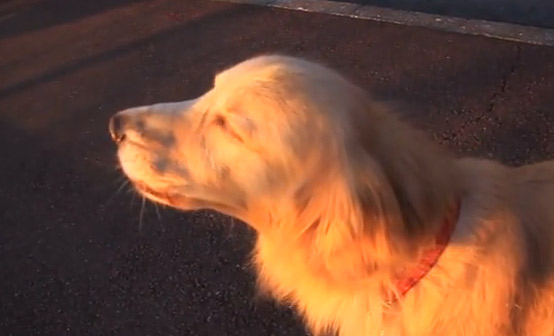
pixel 353 218
pixel 380 213
pixel 418 179
pixel 384 195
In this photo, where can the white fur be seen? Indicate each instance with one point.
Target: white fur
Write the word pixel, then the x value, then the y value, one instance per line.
pixel 344 195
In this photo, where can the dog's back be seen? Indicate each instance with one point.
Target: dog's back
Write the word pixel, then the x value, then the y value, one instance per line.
pixel 534 190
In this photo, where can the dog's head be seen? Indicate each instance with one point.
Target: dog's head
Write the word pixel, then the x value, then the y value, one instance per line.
pixel 266 127
pixel 281 136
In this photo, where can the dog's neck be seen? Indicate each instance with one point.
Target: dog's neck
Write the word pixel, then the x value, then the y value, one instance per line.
pixel 411 276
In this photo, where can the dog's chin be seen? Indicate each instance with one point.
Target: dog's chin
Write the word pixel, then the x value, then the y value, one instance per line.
pixel 168 198
pixel 178 201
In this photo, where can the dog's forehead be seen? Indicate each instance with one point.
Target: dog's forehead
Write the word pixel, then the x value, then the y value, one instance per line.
pixel 259 68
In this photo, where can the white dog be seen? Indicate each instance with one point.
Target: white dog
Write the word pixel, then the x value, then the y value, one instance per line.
pixel 363 224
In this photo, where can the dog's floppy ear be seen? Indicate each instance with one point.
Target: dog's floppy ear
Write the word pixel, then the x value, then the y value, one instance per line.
pixel 353 217
pixel 422 175
pixel 380 214
pixel 412 179
pixel 382 197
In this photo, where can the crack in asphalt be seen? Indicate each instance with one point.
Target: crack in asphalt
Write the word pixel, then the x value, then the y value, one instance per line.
pixel 493 100
pixel 516 64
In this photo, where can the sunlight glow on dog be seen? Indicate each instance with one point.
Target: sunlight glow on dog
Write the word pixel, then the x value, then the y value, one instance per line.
pixel 363 224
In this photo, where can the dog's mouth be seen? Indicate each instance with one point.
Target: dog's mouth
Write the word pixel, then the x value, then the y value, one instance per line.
pixel 177 200
pixel 163 197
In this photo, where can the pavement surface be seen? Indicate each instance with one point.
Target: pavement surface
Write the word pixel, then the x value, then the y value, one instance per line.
pixel 538 13
pixel 76 259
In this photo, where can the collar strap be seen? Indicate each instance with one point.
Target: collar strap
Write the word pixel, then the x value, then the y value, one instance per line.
pixel 430 257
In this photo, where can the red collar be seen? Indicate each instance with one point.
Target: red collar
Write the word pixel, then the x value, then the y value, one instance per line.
pixel 430 257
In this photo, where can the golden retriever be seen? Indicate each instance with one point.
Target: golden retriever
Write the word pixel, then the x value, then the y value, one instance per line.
pixel 363 224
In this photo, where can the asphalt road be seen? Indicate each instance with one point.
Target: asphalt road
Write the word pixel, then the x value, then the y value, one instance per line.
pixel 75 259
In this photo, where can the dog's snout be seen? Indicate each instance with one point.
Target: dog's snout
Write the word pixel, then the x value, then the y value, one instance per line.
pixel 116 128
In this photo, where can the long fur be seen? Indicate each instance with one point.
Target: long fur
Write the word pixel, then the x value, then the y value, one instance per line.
pixel 344 196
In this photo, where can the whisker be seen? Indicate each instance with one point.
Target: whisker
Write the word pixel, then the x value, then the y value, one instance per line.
pixel 105 186
pixel 133 197
pixel 132 190
pixel 158 214
pixel 232 225
pixel 123 183
pixel 141 214
pixel 119 179
pixel 117 166
pixel 230 228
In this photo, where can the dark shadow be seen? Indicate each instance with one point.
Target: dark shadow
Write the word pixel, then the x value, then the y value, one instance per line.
pixel 23 16
pixel 52 74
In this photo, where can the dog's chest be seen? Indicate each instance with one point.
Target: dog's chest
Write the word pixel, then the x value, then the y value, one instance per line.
pixel 287 273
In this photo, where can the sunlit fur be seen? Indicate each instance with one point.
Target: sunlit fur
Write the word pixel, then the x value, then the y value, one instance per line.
pixel 344 196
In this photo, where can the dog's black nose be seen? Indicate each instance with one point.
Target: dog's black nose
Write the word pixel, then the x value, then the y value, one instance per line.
pixel 116 128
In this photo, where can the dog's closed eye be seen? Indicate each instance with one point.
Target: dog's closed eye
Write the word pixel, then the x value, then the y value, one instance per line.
pixel 221 122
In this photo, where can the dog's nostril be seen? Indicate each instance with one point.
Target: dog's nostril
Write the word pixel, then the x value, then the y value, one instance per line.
pixel 116 128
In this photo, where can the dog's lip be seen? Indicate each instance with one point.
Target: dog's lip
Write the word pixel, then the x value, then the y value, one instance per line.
pixel 145 188
pixel 166 197
pixel 160 196
pixel 176 200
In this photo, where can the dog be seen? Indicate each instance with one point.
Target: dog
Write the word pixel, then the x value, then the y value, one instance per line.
pixel 364 225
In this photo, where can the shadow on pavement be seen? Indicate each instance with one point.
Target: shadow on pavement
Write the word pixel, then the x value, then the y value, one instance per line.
pixel 23 16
